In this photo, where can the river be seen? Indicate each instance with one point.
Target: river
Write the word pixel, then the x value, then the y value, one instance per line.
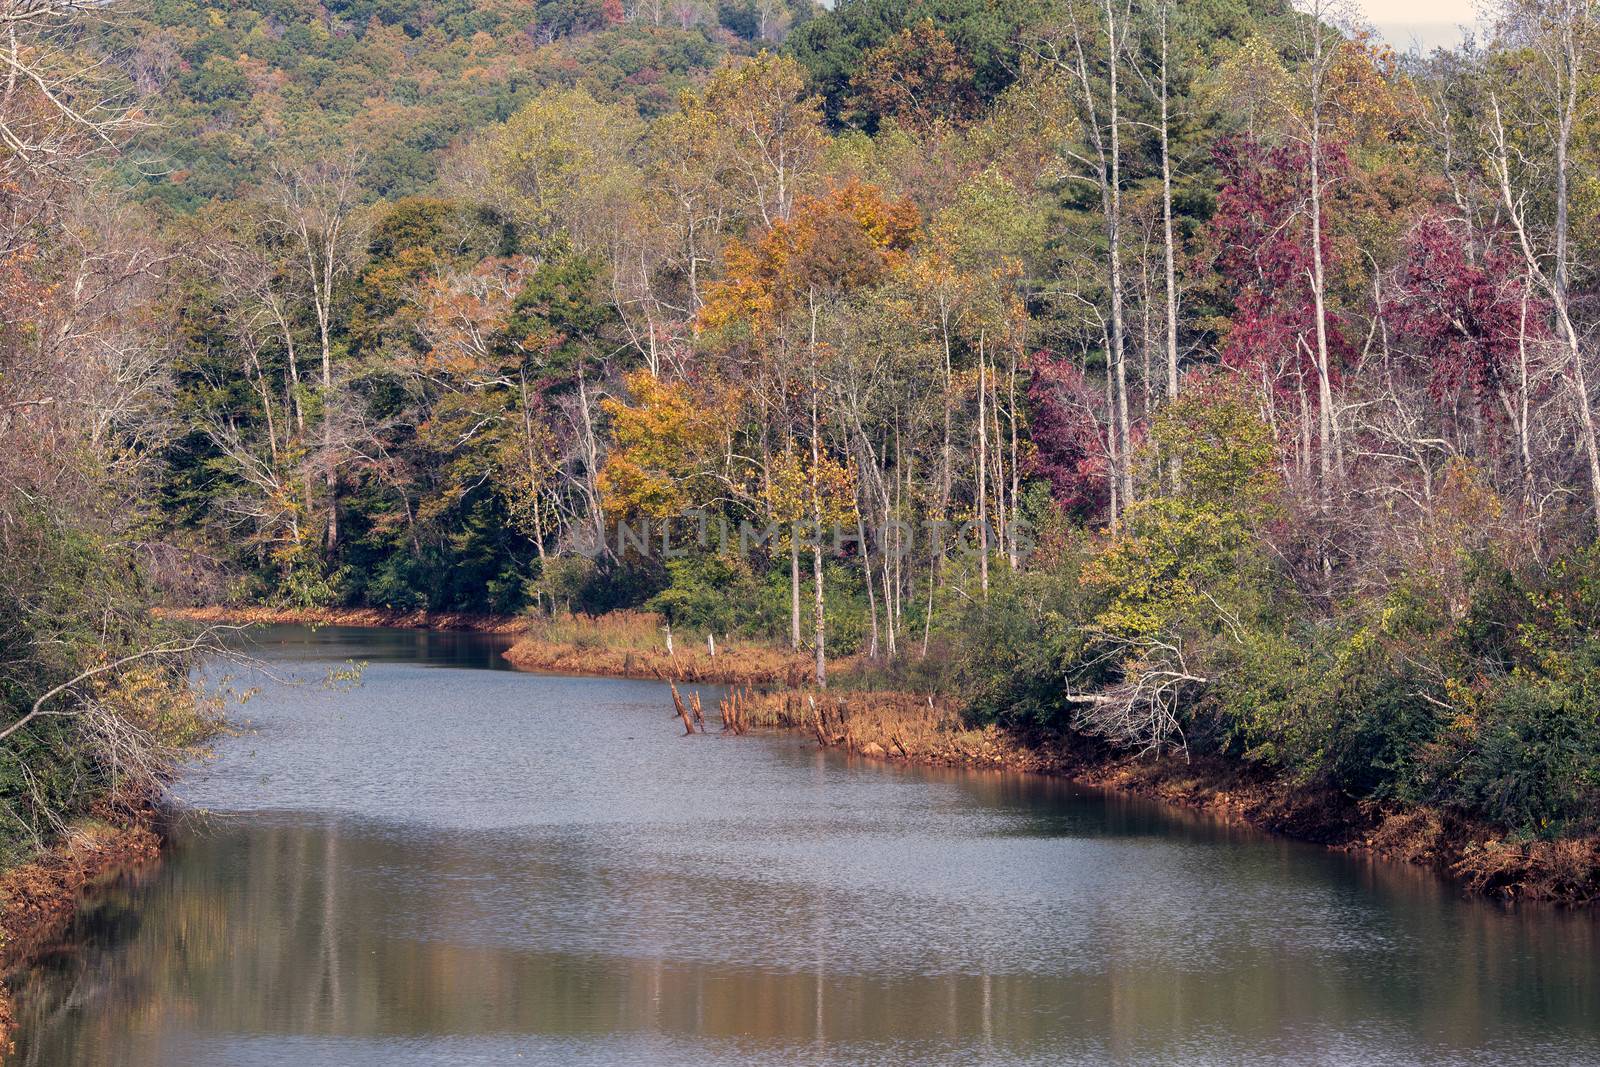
pixel 453 863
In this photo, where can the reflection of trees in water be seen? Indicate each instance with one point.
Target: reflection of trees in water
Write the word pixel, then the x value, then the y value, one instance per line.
pixel 306 931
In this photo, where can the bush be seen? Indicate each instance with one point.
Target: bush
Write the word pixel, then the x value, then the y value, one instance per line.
pixel 1533 763
pixel 715 593
pixel 580 584
pixel 1015 647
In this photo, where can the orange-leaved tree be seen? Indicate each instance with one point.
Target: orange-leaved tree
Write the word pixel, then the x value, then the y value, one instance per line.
pixel 671 448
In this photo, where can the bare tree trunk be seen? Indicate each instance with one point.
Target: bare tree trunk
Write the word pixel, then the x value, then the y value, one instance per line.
pixel 331 468
pixel 983 472
pixel 591 462
pixel 1114 236
pixel 533 470
pixel 1168 242
pixel 1571 58
pixel 794 586
pixel 1328 458
pixel 1013 551
pixel 818 603
pixel 946 458
pixel 1114 482
pixel 872 596
pixel 1555 282
pixel 1325 445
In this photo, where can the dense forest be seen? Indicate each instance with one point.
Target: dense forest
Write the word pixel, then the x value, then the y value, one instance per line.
pixel 1195 378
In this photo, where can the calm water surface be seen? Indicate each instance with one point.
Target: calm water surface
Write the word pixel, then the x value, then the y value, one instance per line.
pixel 457 864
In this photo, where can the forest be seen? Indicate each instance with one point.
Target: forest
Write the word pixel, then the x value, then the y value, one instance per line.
pixel 1191 379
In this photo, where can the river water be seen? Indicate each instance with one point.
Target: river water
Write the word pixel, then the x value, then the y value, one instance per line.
pixel 458 864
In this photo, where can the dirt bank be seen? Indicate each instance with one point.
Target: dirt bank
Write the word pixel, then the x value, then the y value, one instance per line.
pixel 409 620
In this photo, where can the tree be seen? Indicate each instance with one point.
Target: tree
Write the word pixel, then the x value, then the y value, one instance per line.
pixel 670 448
pixel 1262 236
pixel 917 78
pixel 1068 449
pixel 1184 571
pixel 773 129
pixel 1560 37
pixel 1472 319
pixel 1087 49
pixel 565 164
pixel 772 304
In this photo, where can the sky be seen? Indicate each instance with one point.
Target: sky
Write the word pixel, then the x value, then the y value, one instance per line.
pixel 1430 23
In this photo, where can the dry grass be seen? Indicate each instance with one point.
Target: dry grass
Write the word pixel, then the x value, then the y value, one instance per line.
pixel 632 644
pixel 882 725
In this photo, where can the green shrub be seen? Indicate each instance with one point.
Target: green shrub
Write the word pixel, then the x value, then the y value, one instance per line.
pixel 1533 763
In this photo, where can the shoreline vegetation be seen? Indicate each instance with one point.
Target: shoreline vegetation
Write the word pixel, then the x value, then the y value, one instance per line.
pixel 862 717
pixel 135 733
pixel 916 728
pixel 40 897
pixel 638 644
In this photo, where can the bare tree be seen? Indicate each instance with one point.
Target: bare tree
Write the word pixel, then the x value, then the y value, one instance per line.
pixel 1562 36
pixel 1090 56
pixel 57 104
pixel 314 209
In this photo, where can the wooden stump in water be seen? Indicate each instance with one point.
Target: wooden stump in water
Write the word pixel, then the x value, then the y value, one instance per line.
pixel 699 715
pixel 683 713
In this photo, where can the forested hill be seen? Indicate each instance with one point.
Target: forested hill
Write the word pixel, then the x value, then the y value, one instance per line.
pixel 1198 375
pixel 232 88
pixel 596 212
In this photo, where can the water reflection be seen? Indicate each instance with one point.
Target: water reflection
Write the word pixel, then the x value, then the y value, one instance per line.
pixel 375 644
pixel 504 867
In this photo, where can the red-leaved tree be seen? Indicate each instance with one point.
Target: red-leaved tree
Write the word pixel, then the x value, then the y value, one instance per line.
pixel 1069 447
pixel 1260 236
pixel 1467 318
pixel 1474 326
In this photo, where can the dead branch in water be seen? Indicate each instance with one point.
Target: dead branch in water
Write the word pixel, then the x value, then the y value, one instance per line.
pixel 683 712
pixel 733 709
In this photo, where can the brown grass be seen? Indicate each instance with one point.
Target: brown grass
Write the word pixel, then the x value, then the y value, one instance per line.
pixel 885 725
pixel 632 644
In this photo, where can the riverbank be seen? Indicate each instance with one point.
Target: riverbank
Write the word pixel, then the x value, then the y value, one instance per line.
pixel 39 898
pixel 405 620
pixel 920 729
